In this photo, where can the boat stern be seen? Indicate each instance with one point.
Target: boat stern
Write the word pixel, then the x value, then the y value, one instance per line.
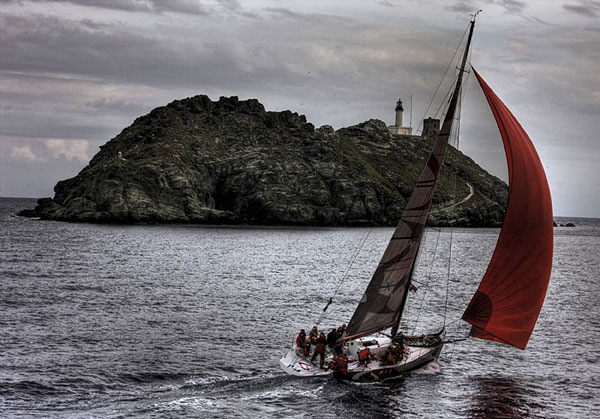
pixel 297 365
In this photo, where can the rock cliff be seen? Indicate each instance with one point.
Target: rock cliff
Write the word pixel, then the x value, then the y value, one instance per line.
pixel 230 161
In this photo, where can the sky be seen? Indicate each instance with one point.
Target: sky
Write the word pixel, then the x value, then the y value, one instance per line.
pixel 74 73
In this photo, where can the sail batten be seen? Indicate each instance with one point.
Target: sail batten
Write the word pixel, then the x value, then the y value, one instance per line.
pixel 509 299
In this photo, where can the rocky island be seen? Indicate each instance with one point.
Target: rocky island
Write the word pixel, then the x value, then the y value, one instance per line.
pixel 231 162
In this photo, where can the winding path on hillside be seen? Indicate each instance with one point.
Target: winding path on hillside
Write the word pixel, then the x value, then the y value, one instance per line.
pixel 469 196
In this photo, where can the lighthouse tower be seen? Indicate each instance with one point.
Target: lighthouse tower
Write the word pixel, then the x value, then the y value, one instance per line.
pixel 399 112
pixel 398 129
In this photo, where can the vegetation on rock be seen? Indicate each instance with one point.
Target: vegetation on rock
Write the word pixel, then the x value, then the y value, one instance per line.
pixel 230 161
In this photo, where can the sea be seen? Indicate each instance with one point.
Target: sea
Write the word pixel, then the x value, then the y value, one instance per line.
pixel 177 321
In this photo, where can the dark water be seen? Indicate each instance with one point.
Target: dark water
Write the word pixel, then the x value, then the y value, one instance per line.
pixel 190 321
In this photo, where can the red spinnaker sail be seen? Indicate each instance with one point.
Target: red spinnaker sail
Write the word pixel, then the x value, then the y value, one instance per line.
pixel 510 296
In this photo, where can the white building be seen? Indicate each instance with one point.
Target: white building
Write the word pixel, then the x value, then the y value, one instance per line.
pixel 398 129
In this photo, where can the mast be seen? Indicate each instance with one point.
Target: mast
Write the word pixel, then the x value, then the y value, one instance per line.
pixel 384 299
pixel 445 131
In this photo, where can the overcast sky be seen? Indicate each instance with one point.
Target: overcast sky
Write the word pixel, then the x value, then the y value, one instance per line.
pixel 74 73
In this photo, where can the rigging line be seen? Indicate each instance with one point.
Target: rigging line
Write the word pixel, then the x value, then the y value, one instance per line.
pixel 457 138
pixel 341 281
pixel 457 135
pixel 462 92
pixel 448 275
pixel 326 315
pixel 428 281
pixel 457 142
pixel 366 236
pixel 405 318
pixel 456 321
pixel 442 79
pixel 446 98
pixel 458 339
pixel 458 333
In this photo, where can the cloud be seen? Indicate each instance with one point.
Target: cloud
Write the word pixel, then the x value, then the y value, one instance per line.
pixel 71 75
pixel 148 6
pixel 512 6
pixel 23 153
pixel 74 149
pixel 230 4
pixel 61 46
pixel 470 6
pixel 238 57
pixel 24 150
pixel 28 170
pixel 461 6
pixel 43 127
pixel 115 106
pixel 588 8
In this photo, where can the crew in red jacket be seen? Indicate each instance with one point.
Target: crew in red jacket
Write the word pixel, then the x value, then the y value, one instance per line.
pixel 340 364
pixel 365 356
pixel 301 342
pixel 320 349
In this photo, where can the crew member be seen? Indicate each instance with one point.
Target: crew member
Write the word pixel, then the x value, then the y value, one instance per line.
pixel 339 365
pixel 320 349
pixel 399 340
pixel 314 334
pixel 392 355
pixel 402 349
pixel 301 342
pixel 364 356
pixel 332 337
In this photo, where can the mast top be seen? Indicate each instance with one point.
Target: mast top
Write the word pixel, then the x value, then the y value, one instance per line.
pixel 474 15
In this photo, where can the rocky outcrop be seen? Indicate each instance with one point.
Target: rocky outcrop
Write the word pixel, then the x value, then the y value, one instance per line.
pixel 230 161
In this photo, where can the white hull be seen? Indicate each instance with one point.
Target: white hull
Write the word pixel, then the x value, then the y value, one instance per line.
pixel 294 363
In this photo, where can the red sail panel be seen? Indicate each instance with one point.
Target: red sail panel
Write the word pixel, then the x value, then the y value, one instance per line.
pixel 510 296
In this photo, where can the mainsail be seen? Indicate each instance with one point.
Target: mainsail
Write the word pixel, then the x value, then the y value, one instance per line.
pixel 383 301
pixel 510 296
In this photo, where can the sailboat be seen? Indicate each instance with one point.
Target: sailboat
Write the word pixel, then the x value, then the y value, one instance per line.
pixel 509 299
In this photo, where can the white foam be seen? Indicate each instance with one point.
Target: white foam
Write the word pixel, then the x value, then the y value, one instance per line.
pixel 429 369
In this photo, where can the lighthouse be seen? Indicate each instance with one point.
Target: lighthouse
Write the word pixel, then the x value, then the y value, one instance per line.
pixel 398 129
pixel 399 112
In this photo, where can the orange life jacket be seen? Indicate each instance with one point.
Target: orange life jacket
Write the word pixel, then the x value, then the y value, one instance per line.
pixel 341 363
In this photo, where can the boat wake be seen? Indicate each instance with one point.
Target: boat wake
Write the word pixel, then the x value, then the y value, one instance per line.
pixel 217 385
pixel 263 394
pixel 432 368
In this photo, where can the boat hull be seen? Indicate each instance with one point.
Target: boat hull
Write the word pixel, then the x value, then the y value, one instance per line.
pixel 376 371
pixel 300 366
pixel 416 356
